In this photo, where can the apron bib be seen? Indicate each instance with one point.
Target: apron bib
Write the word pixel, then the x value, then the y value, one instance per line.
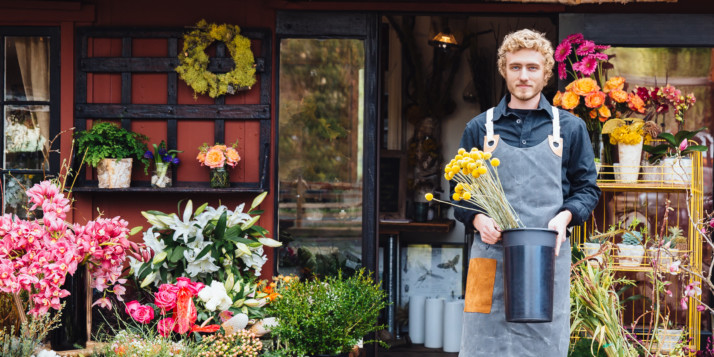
pixel 531 178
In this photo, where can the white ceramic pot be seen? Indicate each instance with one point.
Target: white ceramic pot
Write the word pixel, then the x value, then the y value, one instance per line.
pixel 630 255
pixel 666 256
pixel 114 173
pixel 666 340
pixel 591 249
pixel 652 174
pixel 629 165
pixel 678 170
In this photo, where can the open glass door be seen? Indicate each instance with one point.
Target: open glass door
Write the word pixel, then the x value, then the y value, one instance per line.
pixel 320 155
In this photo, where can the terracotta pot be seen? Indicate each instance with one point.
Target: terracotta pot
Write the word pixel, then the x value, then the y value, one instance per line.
pixel 114 173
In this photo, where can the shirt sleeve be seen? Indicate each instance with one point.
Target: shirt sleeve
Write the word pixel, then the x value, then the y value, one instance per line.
pixel 583 193
pixel 469 139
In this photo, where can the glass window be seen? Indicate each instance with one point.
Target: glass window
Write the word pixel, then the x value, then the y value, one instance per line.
pixel 25 106
pixel 320 155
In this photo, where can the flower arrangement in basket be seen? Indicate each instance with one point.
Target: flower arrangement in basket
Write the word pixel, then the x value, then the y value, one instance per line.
pixel 217 157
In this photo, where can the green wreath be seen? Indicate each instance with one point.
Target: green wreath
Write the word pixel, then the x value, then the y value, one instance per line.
pixel 193 67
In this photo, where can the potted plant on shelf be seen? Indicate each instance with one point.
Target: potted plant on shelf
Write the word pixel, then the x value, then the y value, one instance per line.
pixel 326 317
pixel 594 242
pixel 628 134
pixel 163 159
pixel 111 149
pixel 631 249
pixel 665 251
pixel 673 153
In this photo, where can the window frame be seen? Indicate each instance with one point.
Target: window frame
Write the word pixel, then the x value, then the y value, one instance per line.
pixel 53 33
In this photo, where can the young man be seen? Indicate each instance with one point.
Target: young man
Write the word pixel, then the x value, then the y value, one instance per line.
pixel 549 180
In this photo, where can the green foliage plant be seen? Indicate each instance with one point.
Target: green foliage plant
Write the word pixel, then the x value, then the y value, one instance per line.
pixel 106 140
pixel 30 336
pixel 671 145
pixel 327 316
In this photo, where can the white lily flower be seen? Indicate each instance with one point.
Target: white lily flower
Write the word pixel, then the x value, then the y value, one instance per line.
pixel 151 239
pixel 270 242
pixel 197 266
pixel 183 229
pixel 255 303
pixel 215 297
pixel 255 261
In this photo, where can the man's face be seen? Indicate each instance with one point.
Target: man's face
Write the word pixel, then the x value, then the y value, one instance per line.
pixel 525 75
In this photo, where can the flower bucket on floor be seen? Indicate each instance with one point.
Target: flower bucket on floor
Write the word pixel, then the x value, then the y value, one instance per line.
pixel 529 274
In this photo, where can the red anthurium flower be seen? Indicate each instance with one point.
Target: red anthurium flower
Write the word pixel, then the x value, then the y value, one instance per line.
pixel 186 314
pixel 207 328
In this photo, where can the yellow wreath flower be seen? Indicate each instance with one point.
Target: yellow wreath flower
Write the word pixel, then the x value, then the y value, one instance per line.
pixel 193 67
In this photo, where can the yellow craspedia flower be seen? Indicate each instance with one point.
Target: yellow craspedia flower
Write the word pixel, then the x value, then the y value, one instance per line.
pixel 458 157
pixel 465 171
pixel 455 169
pixel 466 195
pixel 482 170
pixel 472 165
pixel 487 155
pixel 456 197
pixel 459 187
pixel 461 151
pixel 476 155
pixel 495 162
pixel 475 173
pixel 429 196
pixel 447 168
pixel 447 176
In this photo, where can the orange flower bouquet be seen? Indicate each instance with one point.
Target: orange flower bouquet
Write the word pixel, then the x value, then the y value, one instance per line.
pixel 217 157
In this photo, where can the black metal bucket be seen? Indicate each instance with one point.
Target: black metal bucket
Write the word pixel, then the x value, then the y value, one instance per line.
pixel 529 274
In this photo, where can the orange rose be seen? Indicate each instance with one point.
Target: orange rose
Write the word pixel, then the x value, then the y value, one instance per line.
pixel 604 112
pixel 557 100
pixel 232 156
pixel 593 114
pixel 570 100
pixel 201 157
pixel 583 86
pixel 618 95
pixel 215 158
pixel 635 103
pixel 614 83
pixel 595 99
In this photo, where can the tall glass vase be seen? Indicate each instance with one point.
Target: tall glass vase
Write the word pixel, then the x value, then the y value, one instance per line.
pixel 72 331
pixel 219 178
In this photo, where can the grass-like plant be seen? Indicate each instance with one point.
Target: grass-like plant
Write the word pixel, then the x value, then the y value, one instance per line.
pixel 327 316
pixel 30 336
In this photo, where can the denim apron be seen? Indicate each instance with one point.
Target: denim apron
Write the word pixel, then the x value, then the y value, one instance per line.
pixel 531 178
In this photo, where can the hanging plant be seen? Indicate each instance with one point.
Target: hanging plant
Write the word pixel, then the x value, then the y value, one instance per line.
pixel 193 67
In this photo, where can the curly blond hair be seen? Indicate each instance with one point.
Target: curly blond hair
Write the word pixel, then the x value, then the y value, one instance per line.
pixel 526 39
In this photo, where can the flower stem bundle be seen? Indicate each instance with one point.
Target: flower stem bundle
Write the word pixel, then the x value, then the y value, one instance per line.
pixel 477 182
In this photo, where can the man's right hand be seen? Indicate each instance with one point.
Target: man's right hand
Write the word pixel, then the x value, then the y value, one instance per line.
pixel 487 227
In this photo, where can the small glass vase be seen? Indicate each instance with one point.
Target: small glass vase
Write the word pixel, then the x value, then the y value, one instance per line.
pixel 162 175
pixel 220 178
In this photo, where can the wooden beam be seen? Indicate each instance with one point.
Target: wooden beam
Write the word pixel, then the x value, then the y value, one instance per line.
pixel 165 111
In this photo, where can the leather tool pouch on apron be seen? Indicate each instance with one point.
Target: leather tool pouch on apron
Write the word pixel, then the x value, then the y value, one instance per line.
pixel 479 285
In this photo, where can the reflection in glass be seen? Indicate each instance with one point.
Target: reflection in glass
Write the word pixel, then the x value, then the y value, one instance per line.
pixel 14 193
pixel 26 129
pixel 320 155
pixel 27 68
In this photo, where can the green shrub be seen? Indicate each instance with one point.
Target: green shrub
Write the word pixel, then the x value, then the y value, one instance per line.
pixel 327 316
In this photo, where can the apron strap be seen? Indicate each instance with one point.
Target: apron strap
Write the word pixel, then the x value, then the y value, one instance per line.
pixel 555 141
pixel 490 141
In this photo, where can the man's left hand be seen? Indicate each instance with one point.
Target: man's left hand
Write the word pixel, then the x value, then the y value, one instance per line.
pixel 560 223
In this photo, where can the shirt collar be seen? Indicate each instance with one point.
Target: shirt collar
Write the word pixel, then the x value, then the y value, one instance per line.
pixel 500 109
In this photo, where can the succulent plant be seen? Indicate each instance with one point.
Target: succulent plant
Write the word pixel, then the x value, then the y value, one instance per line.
pixel 632 238
pixel 673 237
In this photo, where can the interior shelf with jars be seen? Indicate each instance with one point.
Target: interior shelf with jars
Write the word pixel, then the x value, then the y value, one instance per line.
pixel 656 201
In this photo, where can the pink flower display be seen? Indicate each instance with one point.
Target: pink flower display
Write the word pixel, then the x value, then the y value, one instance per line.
pixel 37 254
pixel 176 299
